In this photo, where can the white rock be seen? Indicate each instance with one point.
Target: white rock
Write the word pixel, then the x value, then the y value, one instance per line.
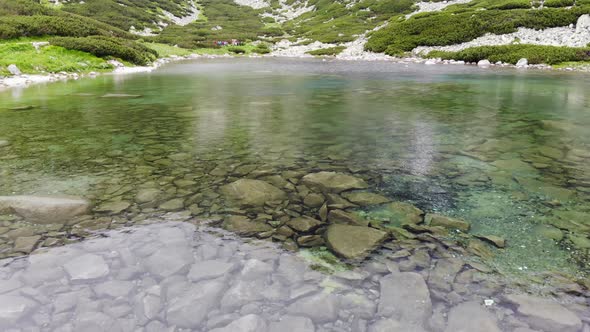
pixel 430 62
pixel 87 267
pixel 483 63
pixel 321 308
pixel 13 69
pixel 292 324
pixel 522 63
pixel 583 24
pixel 92 321
pixel 209 269
pixel 248 323
pixel 243 292
pixel 13 308
pixel 255 269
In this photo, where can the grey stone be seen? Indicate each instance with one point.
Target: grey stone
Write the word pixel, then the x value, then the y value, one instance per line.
pixel 444 273
pixel 191 308
pixel 292 324
pixel 168 261
pixel 44 210
pixel 405 297
pixel 321 307
pixel 114 288
pixel 13 308
pixel 545 314
pixel 209 269
pixel 248 323
pixel 87 267
pixel 470 316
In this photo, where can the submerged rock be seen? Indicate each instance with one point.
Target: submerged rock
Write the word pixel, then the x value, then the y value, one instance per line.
pixel 4 143
pixel 241 225
pixel 345 218
pixel 333 182
pixel 401 213
pixel 470 316
pixel 248 323
pixel 365 198
pixel 293 323
pixel 319 307
pixel 113 207
pixel 304 224
pixel 545 314
pixel 14 70
pixel 353 242
pixel 44 210
pixel 405 296
pixel 87 267
pixel 495 240
pixel 247 192
pixel 433 219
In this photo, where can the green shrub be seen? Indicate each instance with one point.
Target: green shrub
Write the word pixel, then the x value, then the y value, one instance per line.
pixel 558 3
pixel 108 47
pixel 331 51
pixel 447 28
pixel 236 50
pixel 535 54
pixel 261 49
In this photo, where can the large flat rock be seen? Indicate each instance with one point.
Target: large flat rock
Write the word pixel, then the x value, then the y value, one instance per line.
pixel 545 314
pixel 247 192
pixel 405 297
pixel 470 316
pixel 333 182
pixel 44 210
pixel 353 242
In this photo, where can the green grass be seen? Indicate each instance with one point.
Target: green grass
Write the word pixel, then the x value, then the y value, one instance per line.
pixel 49 59
pixel 165 50
pixel 535 54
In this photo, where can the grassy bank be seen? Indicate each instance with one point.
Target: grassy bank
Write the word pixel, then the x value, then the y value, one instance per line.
pixel 48 59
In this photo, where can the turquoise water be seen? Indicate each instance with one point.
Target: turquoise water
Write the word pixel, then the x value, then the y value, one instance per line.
pixel 506 150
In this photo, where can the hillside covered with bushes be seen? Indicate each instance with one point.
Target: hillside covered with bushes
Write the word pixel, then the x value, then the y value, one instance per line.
pixel 139 31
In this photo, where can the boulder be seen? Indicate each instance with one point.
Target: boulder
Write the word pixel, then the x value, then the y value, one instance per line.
pixel 484 63
pixel 293 323
pixel 320 307
pixel 241 225
pixel 433 219
pixel 365 198
pixel 353 242
pixel 13 69
pixel 522 63
pixel 333 182
pixel 405 297
pixel 87 267
pixel 44 210
pixel 470 316
pixel 26 244
pixel 545 314
pixel 310 241
pixel 247 192
pixel 583 24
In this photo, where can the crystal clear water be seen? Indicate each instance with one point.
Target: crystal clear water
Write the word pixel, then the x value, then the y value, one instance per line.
pixel 506 150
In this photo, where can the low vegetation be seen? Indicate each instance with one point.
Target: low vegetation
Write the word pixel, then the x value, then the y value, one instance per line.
pixel 461 24
pixel 49 59
pixel 101 46
pixel 535 54
pixel 331 51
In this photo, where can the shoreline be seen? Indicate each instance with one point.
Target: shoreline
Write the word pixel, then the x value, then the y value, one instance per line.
pixel 27 80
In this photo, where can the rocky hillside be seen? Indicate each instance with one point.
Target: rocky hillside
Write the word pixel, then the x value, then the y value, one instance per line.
pixel 502 30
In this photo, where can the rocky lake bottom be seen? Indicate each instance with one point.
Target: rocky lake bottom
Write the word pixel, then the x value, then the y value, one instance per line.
pixel 275 195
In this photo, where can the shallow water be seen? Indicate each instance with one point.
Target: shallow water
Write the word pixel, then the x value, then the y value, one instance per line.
pixel 506 150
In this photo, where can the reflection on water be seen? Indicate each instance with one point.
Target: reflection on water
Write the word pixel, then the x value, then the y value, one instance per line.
pixel 505 150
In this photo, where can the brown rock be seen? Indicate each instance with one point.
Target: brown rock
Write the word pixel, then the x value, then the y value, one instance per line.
pixel 433 219
pixel 341 217
pixel 310 241
pixel 353 242
pixel 304 224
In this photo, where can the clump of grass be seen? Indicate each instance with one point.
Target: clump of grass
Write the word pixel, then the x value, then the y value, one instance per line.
pixel 101 46
pixel 165 50
pixel 331 51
